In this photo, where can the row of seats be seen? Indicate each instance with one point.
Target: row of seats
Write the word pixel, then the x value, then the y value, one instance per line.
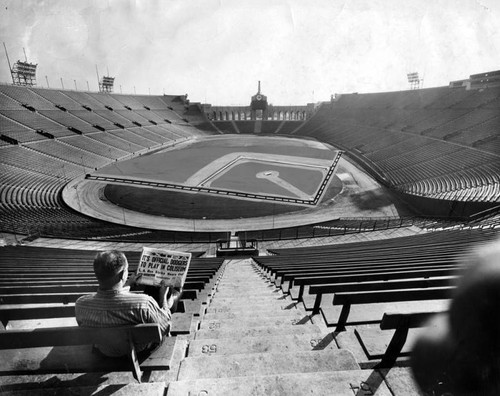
pixel 329 228
pixel 37 190
pixel 41 285
pixel 445 187
pixel 353 285
pixel 426 145
pixel 65 134
pixel 431 98
pixel 242 334
pixel 45 99
pixel 62 113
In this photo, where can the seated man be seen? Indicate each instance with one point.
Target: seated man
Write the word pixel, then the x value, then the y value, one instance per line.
pixel 114 305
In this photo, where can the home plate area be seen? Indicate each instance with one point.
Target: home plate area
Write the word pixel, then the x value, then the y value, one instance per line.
pixel 295 171
pixel 270 175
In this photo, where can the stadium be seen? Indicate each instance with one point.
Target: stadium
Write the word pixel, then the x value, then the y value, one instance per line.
pixel 324 235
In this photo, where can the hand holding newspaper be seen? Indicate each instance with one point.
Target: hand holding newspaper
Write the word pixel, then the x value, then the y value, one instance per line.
pixel 157 265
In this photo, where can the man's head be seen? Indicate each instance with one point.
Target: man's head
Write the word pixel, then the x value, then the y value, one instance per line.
pixel 111 269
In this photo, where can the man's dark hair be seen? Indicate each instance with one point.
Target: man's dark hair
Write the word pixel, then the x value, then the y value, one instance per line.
pixel 109 264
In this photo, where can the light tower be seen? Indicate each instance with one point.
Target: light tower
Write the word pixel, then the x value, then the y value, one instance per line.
pixel 414 80
pixel 258 106
pixel 23 73
pixel 106 83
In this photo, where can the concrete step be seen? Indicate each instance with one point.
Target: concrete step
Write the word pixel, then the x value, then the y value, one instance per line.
pixel 240 274
pixel 281 343
pixel 244 290
pixel 400 381
pixel 263 331
pixel 249 286
pixel 258 308
pixel 247 313
pixel 276 305
pixel 336 383
pixel 255 364
pixel 247 280
pixel 221 324
pixel 244 280
pixel 250 299
pixel 241 304
pixel 238 299
pixel 215 307
pixel 237 292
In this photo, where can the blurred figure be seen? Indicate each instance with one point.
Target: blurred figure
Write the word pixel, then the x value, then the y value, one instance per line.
pixel 460 355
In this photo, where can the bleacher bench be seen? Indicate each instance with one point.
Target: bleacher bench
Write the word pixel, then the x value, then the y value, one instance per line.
pixel 346 300
pixel 77 353
pixel 181 322
pixel 400 324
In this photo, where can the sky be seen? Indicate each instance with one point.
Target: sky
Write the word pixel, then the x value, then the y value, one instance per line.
pixel 216 50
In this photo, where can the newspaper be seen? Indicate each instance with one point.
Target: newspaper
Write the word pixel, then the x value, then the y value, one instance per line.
pixel 170 266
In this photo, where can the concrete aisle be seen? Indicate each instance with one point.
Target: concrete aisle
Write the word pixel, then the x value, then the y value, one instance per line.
pixel 254 341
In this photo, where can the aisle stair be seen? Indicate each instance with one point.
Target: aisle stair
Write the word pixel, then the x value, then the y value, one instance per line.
pixel 254 340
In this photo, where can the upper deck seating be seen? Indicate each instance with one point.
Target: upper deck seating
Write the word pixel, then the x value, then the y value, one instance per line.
pixel 150 116
pixel 69 153
pixel 17 131
pixel 107 100
pixel 112 141
pixel 115 118
pixel 25 158
pixel 7 103
pixel 85 100
pixel 418 136
pixel 162 131
pixel 26 97
pixel 168 115
pixel 148 134
pixel 36 121
pixel 57 98
pixel 68 120
pixel 88 144
pixel 76 121
pixel 153 102
pixel 130 136
pixel 128 101
pixel 94 119
pixel 133 116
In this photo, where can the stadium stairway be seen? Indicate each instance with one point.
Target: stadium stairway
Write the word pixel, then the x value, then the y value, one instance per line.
pixel 254 340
